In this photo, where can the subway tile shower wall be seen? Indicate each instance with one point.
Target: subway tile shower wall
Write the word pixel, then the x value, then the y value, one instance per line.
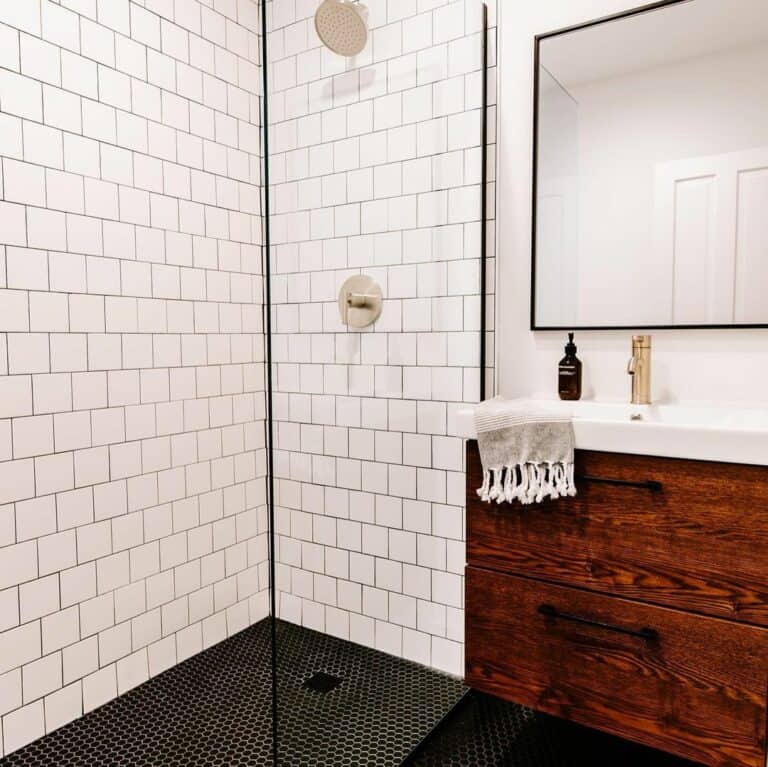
pixel 133 530
pixel 376 167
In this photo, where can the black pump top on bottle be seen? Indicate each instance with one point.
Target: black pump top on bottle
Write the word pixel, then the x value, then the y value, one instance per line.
pixel 570 347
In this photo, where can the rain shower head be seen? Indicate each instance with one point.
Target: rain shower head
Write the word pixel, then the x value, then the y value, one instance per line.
pixel 342 26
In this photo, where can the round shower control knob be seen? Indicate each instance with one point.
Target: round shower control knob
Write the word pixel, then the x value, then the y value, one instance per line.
pixel 360 301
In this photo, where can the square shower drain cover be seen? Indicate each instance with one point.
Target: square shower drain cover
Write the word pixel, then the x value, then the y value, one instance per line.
pixel 322 682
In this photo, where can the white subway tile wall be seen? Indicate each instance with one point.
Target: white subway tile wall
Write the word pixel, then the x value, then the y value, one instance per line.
pixel 376 168
pixel 492 165
pixel 133 527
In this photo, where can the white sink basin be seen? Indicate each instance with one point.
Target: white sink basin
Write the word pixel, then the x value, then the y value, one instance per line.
pixel 706 433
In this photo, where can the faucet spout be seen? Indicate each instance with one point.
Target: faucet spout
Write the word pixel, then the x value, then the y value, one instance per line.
pixel 639 368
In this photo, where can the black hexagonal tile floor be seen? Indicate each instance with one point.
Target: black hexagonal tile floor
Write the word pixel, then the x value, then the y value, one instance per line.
pixel 375 717
pixel 483 731
pixel 215 710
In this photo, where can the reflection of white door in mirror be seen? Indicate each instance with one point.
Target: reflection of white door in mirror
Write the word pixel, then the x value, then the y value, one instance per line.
pixel 711 228
pixel 557 251
pixel 557 204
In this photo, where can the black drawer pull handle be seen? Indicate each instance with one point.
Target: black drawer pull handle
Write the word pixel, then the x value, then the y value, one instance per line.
pixel 648 484
pixel 649 635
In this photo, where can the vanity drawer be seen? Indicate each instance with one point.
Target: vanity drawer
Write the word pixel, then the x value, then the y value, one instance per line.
pixel 686 534
pixel 692 685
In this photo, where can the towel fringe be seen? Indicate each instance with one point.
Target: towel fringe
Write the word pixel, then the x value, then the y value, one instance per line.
pixel 483 491
pixel 528 482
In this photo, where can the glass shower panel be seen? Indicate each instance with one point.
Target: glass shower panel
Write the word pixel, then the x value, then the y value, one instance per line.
pixel 376 168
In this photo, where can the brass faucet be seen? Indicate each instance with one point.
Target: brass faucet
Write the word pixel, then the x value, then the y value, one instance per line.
pixel 640 369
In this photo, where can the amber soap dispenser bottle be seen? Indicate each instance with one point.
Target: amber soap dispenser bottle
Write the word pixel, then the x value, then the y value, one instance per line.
pixel 569 373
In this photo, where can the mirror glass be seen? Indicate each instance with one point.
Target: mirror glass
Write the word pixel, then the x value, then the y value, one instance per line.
pixel 651 175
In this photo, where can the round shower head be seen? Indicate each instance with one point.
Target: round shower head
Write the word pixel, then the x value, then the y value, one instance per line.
pixel 342 26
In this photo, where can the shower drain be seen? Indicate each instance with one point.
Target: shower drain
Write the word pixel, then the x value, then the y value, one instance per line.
pixel 322 682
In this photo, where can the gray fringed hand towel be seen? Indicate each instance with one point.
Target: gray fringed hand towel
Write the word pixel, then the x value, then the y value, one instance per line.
pixel 526 451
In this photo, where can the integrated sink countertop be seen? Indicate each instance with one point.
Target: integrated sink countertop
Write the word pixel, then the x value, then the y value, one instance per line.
pixel 734 435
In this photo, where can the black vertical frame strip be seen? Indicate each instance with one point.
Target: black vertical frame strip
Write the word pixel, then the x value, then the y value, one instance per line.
pixel 269 426
pixel 484 213
pixel 535 173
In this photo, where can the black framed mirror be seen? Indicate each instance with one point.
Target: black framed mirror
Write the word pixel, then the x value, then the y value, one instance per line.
pixel 650 182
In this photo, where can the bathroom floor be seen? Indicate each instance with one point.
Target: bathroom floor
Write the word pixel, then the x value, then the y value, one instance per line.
pixel 213 709
pixel 487 732
pixel 363 709
pixel 381 709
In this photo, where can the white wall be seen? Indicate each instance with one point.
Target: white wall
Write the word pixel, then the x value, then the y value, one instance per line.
pixel 132 494
pixel 690 365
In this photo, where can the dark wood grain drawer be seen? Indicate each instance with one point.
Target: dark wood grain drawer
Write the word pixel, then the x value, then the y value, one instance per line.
pixel 687 534
pixel 689 684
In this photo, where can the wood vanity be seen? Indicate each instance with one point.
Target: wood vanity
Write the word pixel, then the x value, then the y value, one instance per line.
pixel 639 607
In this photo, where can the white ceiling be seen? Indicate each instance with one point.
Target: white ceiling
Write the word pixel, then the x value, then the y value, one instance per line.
pixel 654 38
